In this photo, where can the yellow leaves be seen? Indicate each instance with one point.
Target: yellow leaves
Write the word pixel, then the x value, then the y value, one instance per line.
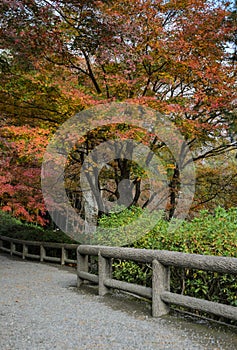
pixel 171 166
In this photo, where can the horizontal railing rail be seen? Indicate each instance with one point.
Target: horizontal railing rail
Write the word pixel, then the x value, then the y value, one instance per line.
pixel 161 261
pixel 42 254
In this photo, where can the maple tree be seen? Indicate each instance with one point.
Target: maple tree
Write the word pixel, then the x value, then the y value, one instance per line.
pixel 123 166
pixel 59 57
pixel 169 55
pixel 22 149
pixel 41 96
pixel 34 90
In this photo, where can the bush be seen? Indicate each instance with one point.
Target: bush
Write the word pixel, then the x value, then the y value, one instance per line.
pixel 14 228
pixel 124 227
pixel 207 234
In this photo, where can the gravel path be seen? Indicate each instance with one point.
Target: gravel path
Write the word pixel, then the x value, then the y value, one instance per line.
pixel 41 309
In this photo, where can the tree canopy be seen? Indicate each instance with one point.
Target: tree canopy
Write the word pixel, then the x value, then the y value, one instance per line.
pixel 177 57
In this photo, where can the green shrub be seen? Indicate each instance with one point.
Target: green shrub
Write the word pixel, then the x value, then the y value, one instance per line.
pixel 125 226
pixel 7 220
pixel 14 228
pixel 207 234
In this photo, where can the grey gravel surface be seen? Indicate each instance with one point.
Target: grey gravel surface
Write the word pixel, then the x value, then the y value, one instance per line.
pixel 40 308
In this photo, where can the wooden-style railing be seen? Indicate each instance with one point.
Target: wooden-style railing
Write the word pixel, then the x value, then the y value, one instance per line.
pixel 161 261
pixel 21 248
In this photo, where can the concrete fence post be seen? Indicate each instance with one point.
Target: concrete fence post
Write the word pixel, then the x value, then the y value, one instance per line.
pixel 160 284
pixel 63 255
pixel 13 248
pixel 42 253
pixel 24 251
pixel 82 265
pixel 105 272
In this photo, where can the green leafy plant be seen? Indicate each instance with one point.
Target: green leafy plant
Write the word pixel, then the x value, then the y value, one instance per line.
pixel 14 228
pixel 209 234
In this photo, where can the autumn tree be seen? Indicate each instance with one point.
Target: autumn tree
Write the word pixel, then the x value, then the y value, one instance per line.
pixel 169 55
pixel 172 56
pixel 34 90
pixel 22 149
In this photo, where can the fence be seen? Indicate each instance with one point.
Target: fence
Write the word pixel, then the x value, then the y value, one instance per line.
pixel 161 261
pixel 22 247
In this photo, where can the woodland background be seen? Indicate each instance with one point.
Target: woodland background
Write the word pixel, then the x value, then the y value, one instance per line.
pixel 58 58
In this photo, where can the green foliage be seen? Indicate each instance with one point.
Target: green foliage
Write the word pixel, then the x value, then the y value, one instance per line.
pixel 122 224
pixel 207 234
pixel 121 218
pixel 11 227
